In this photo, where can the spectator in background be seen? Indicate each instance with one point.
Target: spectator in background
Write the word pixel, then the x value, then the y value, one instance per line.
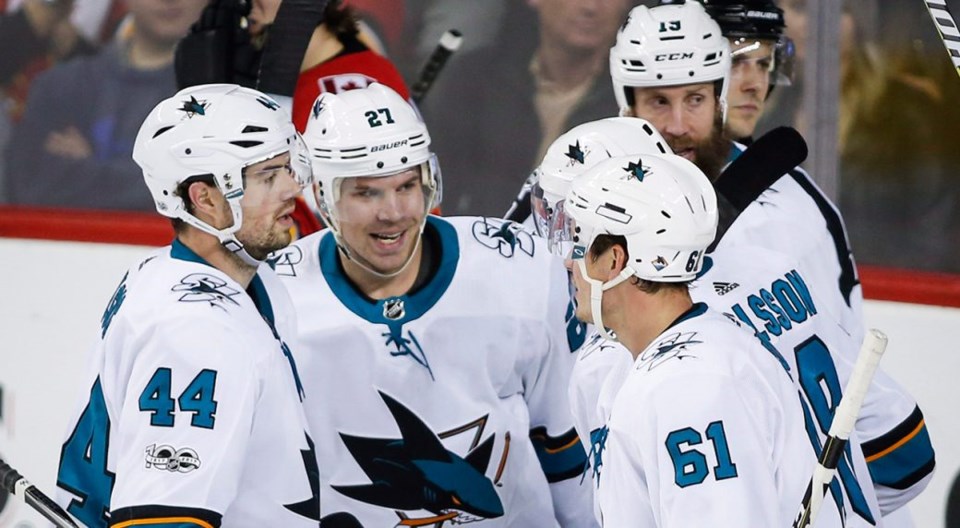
pixel 77 133
pixel 339 56
pixel 895 180
pixel 496 110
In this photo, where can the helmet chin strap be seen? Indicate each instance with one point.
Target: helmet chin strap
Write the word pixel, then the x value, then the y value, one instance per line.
pixel 227 237
pixel 596 295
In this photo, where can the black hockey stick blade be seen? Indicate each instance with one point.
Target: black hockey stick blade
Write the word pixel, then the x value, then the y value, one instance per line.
pixel 286 43
pixel 770 157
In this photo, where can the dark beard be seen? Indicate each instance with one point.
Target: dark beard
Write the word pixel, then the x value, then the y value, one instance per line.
pixel 713 153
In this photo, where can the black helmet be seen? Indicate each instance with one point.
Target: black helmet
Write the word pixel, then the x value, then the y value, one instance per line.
pixel 759 19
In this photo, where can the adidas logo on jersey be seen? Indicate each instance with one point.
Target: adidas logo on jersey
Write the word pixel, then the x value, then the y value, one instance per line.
pixel 723 288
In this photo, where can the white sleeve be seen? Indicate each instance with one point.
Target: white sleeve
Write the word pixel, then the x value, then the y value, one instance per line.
pixel 190 397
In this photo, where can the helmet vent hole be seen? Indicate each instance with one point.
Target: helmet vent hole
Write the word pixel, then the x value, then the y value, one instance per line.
pixel 707 36
pixel 666 214
pixel 403 159
pixel 323 132
pixel 246 144
pixel 710 57
pixel 379 164
pixel 188 151
pixel 659 76
pixel 661 231
pixel 249 129
pixel 162 130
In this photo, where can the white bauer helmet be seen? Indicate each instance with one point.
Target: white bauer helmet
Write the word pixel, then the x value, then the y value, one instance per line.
pixel 669 45
pixel 571 154
pixel 367 132
pixel 214 131
pixel 663 205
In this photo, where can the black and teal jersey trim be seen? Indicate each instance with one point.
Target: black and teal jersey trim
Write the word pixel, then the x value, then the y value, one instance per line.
pixel 903 456
pixel 561 457
pixel 156 516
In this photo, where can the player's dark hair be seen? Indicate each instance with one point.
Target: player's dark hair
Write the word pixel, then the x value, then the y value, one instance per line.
pixel 604 242
pixel 183 191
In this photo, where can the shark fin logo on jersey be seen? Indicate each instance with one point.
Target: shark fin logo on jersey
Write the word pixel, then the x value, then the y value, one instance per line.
pixel 193 107
pixel 170 459
pixel 309 508
pixel 284 262
pixel 576 153
pixel 598 443
pixel 402 346
pixel 504 236
pixel 417 472
pixel 675 345
pixel 201 287
pixel 393 309
pixel 114 305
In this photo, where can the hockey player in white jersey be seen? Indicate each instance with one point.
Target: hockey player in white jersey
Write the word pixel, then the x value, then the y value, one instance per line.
pixel 681 88
pixel 437 350
pixel 707 428
pixel 192 412
pixel 569 156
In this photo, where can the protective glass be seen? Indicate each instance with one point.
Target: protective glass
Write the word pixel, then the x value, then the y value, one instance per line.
pixel 780 69
pixel 551 221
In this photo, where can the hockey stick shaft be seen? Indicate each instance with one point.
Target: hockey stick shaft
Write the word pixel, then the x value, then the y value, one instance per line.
pixel 947 27
pixel 874 344
pixel 16 485
pixel 449 43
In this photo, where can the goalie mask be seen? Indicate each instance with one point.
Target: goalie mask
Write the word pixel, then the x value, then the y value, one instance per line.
pixel 663 205
pixel 363 133
pixel 669 45
pixel 572 154
pixel 212 132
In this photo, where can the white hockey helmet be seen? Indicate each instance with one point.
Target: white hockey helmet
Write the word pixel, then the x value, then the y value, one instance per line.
pixel 669 45
pixel 366 132
pixel 571 154
pixel 663 205
pixel 214 131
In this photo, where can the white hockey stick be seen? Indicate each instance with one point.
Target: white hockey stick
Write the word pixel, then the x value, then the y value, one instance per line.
pixel 947 27
pixel 16 485
pixel 874 344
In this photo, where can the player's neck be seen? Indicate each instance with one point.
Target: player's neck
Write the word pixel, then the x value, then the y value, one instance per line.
pixel 647 316
pixel 212 251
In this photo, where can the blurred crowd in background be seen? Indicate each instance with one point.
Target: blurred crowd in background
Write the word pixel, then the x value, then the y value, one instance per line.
pixel 77 77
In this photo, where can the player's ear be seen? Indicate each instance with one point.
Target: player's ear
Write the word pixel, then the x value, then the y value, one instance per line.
pixel 205 199
pixel 617 260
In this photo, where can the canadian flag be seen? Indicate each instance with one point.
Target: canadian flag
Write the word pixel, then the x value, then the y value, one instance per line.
pixel 344 82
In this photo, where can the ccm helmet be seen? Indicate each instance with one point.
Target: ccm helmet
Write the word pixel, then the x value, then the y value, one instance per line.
pixel 669 45
pixel 214 131
pixel 573 153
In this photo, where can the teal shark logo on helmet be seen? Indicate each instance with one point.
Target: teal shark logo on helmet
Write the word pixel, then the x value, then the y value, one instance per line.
pixel 636 170
pixel 194 107
pixel 576 153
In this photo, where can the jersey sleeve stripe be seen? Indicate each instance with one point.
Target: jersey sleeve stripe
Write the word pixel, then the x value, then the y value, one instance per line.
pixel 561 457
pixel 903 456
pixel 164 517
